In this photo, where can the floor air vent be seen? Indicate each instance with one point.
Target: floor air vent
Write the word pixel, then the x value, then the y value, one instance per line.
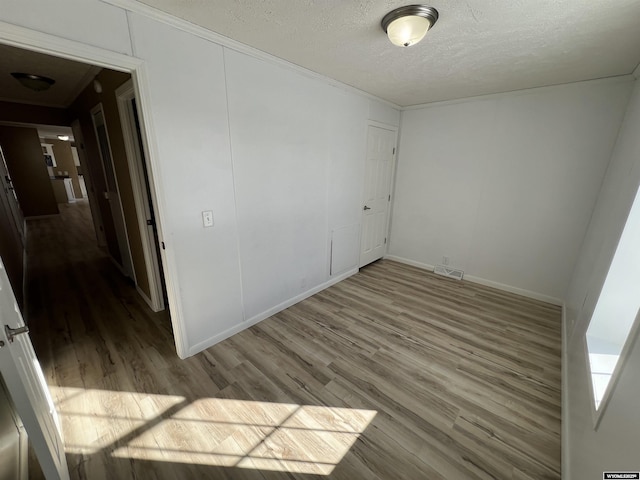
pixel 448 272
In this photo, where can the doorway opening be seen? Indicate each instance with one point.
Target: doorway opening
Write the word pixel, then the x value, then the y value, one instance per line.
pixel 143 196
pixel 92 151
pixel 77 293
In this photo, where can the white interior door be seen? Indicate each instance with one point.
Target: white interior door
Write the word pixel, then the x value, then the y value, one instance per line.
pixel 377 193
pixel 14 445
pixel 24 379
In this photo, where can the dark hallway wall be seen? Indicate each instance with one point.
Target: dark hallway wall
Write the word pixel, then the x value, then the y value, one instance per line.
pixel 25 161
pixel 23 113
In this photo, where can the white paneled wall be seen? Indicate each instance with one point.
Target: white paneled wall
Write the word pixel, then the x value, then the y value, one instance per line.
pixel 189 108
pixel 280 144
pixel 505 185
pixel 90 22
pixel 298 157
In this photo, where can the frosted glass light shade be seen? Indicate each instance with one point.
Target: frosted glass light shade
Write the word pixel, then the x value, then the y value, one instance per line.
pixel 407 31
pixel 407 25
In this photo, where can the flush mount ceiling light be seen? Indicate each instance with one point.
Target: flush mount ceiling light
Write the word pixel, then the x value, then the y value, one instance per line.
pixel 33 82
pixel 407 25
pixel 64 138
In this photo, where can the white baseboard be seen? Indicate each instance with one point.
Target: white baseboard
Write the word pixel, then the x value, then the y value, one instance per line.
pixel 198 347
pixel 407 261
pixel 519 291
pixel 564 430
pixel 483 281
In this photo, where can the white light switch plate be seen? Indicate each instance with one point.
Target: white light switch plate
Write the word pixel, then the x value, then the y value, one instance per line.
pixel 207 218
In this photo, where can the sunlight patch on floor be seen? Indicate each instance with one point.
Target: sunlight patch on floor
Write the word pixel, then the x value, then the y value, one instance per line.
pixel 219 432
pixel 94 419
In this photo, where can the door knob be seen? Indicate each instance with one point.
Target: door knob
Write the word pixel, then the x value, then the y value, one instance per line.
pixel 12 332
pixel 366 208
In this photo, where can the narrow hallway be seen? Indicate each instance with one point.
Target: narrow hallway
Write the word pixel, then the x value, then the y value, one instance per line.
pixel 75 295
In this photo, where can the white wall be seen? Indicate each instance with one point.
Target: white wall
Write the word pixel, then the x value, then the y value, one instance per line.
pixel 192 134
pixel 504 185
pixel 284 145
pixel 276 152
pixel 614 446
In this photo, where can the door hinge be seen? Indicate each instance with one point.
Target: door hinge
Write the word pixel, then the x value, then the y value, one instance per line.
pixel 389 197
pixel 163 247
pixel 385 240
pixel 394 151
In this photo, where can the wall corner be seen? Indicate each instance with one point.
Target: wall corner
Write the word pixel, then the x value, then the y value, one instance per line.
pixel 564 430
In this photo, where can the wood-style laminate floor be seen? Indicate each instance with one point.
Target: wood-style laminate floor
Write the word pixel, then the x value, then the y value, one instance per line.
pixel 394 373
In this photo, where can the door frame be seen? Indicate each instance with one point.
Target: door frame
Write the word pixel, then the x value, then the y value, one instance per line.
pixel 29 39
pixel 119 223
pixel 392 183
pixel 15 211
pixel 136 161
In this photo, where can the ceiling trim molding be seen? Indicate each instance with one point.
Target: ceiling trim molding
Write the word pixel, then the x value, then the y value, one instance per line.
pixel 209 35
pixel 524 91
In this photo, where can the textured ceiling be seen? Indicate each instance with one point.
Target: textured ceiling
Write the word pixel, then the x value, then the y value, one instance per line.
pixel 476 47
pixel 71 77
